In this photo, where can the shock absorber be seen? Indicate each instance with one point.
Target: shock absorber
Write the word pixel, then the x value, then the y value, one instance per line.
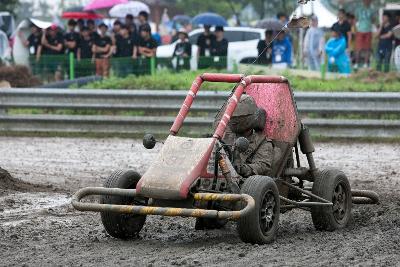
pixel 307 148
pixel 232 186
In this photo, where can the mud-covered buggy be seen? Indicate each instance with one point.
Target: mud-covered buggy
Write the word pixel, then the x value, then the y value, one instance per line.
pixel 195 177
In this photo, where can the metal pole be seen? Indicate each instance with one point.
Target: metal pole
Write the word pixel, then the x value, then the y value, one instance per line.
pixel 71 66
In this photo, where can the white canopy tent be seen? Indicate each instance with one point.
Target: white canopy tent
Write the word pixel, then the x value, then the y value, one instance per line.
pixel 325 17
pixel 20 52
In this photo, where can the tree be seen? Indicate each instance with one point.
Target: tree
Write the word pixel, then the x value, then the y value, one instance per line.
pixel 9 5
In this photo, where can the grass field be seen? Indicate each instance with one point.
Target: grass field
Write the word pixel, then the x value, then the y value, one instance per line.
pixel 367 81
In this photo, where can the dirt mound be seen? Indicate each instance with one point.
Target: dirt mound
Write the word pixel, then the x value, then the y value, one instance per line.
pixel 9 183
pixel 18 76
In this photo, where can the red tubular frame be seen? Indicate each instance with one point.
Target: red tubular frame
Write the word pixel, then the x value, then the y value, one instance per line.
pixel 232 102
pixel 206 77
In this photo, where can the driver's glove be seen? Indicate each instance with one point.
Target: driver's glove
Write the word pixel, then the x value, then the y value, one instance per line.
pixel 244 170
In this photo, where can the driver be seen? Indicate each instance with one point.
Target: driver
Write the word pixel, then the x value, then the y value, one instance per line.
pixel 258 158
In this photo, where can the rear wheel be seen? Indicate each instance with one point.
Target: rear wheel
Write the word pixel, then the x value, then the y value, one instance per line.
pixel 332 185
pixel 118 225
pixel 260 225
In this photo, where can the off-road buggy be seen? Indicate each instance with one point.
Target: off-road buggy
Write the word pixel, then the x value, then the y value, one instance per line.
pixel 194 177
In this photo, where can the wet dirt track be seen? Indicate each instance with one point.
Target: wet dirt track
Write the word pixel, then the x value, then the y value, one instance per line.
pixel 41 228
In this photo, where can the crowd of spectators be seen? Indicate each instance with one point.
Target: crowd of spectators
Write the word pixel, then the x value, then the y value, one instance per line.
pixel 98 44
pixel 349 46
pixel 351 43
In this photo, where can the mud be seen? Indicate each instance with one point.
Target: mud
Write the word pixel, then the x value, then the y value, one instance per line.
pixel 39 227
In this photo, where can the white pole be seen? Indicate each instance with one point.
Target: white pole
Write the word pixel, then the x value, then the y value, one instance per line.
pixel 301 37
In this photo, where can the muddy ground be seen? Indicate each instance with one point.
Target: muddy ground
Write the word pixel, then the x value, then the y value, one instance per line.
pixel 39 227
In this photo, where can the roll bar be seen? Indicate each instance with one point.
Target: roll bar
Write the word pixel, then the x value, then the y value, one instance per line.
pixel 244 82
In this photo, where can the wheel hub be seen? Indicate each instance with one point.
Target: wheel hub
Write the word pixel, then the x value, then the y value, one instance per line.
pixel 339 202
pixel 267 212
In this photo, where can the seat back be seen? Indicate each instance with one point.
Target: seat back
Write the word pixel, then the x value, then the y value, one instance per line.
pixel 281 125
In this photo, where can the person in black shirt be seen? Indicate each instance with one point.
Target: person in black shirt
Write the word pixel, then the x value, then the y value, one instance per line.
pixel 85 54
pixel 143 19
pixel 33 43
pixel 34 40
pixel 385 44
pixel 85 45
pixel 80 23
pixel 130 24
pixel 125 51
pixel 92 28
pixel 52 41
pixel 264 48
pixel 204 42
pixel 147 45
pixel 219 48
pixel 183 51
pixel 147 48
pixel 71 38
pixel 344 26
pixel 101 50
pixel 52 45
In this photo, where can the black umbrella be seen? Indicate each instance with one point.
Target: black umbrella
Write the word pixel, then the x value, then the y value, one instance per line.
pixel 270 24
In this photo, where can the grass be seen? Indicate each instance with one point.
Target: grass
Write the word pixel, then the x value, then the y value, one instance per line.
pixel 367 81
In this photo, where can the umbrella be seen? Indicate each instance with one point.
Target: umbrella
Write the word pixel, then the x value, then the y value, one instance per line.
pixel 182 19
pixel 209 19
pixel 78 12
pixel 99 4
pixel 131 7
pixel 270 24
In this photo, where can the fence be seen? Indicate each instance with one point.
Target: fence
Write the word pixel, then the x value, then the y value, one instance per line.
pixel 373 115
pixel 68 67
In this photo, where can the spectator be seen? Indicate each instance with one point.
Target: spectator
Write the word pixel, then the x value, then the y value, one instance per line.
pixel 143 19
pixel 84 65
pixel 204 42
pixel 92 29
pixel 129 22
pixel 344 26
pixel 314 43
pixel 219 49
pixel 385 44
pixel 101 49
pixel 147 45
pixel 282 17
pixel 147 48
pixel 116 27
pixel 183 51
pixel 364 16
pixel 125 49
pixel 281 52
pixel 33 42
pixel 219 46
pixel 52 45
pixel 336 50
pixel 80 23
pixel 52 41
pixel 351 19
pixel 264 48
pixel 71 38
pixel 85 45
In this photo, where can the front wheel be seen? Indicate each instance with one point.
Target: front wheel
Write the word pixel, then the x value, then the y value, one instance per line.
pixel 332 185
pixel 118 225
pixel 261 224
